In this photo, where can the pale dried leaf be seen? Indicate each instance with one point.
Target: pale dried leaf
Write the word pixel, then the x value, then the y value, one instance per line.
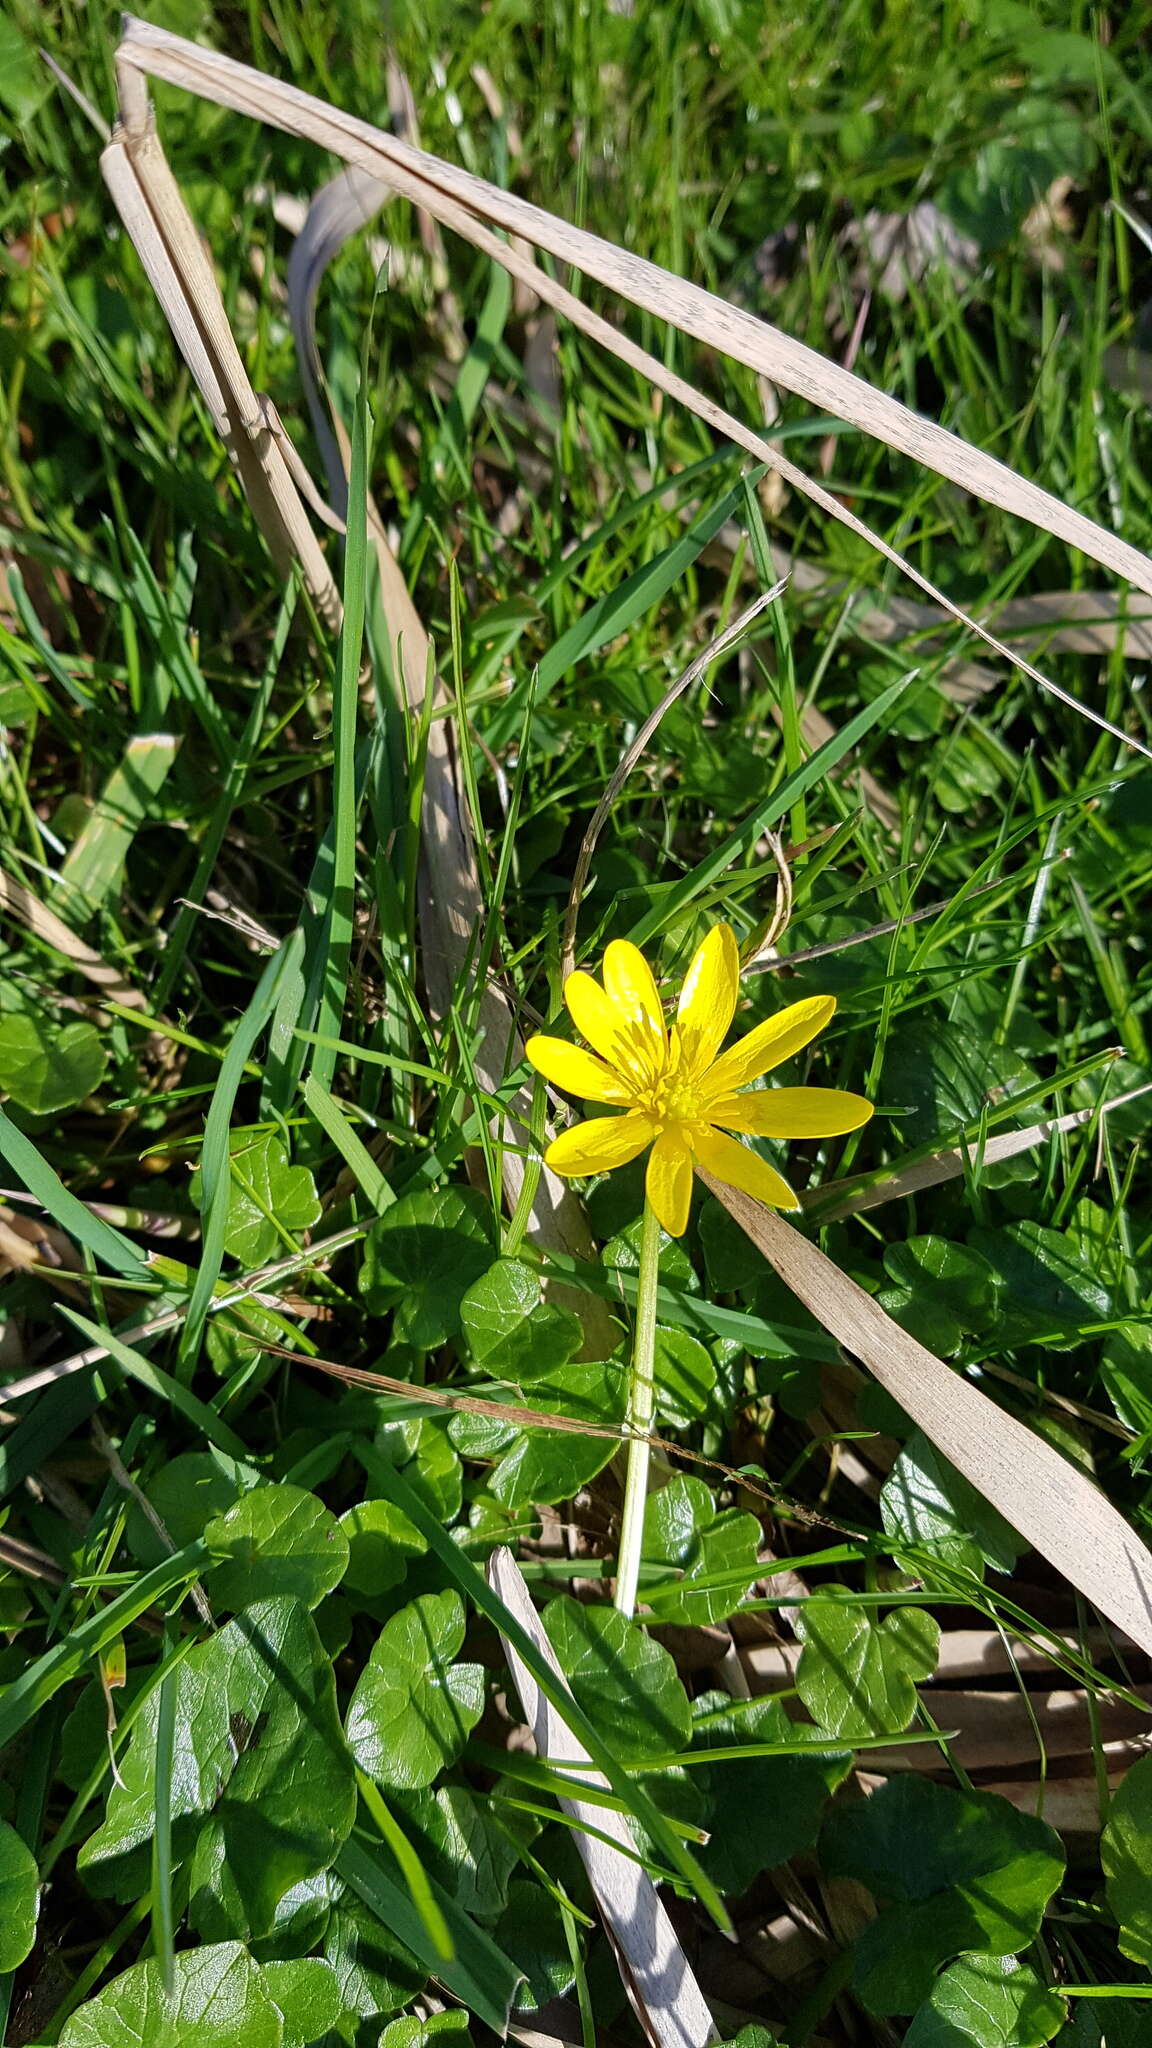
pixel 655 1971
pixel 466 203
pixel 1049 1501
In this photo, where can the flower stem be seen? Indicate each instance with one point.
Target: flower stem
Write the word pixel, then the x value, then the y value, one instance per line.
pixel 641 1406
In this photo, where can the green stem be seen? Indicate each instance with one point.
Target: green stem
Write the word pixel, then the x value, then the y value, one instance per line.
pixel 641 1406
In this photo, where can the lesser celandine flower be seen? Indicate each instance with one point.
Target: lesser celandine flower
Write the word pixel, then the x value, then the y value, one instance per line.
pixel 684 1097
pixel 680 1094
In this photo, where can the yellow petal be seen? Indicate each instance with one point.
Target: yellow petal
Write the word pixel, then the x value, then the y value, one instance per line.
pixel 769 1044
pixel 708 999
pixel 734 1164
pixel 595 1018
pixel 668 1182
pixel 791 1112
pixel 600 1144
pixel 580 1072
pixel 631 988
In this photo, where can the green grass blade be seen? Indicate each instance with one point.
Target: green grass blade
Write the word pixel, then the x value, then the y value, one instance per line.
pixel 339 911
pixel 95 860
pixel 46 1187
pixel 161 1384
pixel 481 1976
pixel 350 1145
pixel 215 1167
pixel 768 813
pixel 66 1660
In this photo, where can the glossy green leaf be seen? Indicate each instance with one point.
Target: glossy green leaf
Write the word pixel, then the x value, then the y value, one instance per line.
pixel 626 1683
pixel 301 1918
pixel 187 1492
pixel 275 1542
pixel 857 1674
pixel 541 1465
pixel 685 1378
pixel 460 1845
pixel 957 1873
pixel 381 1543
pixel 262 1792
pixel 683 1531
pixel 47 1067
pixel 19 1898
pixel 307 1995
pixel 24 83
pixel 942 1080
pixel 927 1502
pixel 421 2031
pixel 421 1257
pixel 1050 1284
pixel 421 1448
pixel 375 1973
pixel 987 2002
pixel 512 1332
pixel 1126 1370
pixel 761 1810
pixel 731 1260
pixel 264 1184
pixel 532 1933
pixel 480 1975
pixel 219 1999
pixel 414 1706
pixel 621 1254
pixel 942 1291
pixel 1126 1857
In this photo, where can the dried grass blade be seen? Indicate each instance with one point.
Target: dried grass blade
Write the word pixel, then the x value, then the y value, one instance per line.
pixel 949 1165
pixel 673 299
pixel 655 1971
pixel 152 209
pixel 21 902
pixel 1050 1502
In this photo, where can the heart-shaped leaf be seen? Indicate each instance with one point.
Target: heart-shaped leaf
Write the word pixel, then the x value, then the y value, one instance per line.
pixel 857 1675
pixel 218 1998
pixel 761 1810
pixel 414 1707
pixel 47 1067
pixel 381 1541
pixel 421 2031
pixel 19 1898
pixel 376 1974
pixel 683 1531
pixel 276 1542
pixel 460 1846
pixel 307 1996
pixel 264 1794
pixel 685 1377
pixel 265 1186
pixel 942 1291
pixel 959 1873
pixel 1126 1857
pixel 987 2002
pixel 1051 1288
pixel 928 1503
pixel 544 1465
pixel 421 1257
pixel 626 1683
pixel 512 1332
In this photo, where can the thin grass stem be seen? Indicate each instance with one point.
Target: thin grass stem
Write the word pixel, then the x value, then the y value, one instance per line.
pixel 641 1408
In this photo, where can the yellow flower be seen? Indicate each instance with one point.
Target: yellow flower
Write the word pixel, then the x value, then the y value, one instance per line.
pixel 680 1094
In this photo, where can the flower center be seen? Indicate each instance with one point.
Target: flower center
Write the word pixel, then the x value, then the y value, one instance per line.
pixel 671 1100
